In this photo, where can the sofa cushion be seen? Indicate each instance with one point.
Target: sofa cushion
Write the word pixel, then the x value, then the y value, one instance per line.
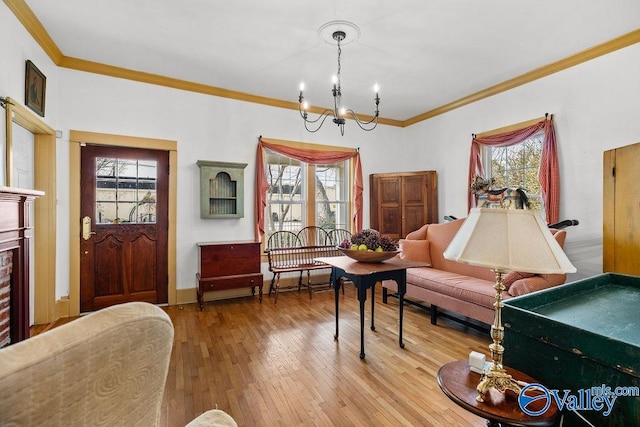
pixel 419 234
pixel 512 276
pixel 415 250
pixel 470 289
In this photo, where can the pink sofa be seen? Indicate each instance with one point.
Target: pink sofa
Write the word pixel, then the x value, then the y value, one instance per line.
pixel 461 288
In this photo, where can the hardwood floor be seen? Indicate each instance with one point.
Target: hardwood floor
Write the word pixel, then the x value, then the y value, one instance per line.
pixel 278 365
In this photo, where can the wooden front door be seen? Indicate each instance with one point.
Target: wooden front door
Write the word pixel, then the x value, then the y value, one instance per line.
pixel 123 241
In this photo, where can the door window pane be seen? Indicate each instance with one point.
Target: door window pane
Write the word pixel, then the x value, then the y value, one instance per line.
pixel 125 191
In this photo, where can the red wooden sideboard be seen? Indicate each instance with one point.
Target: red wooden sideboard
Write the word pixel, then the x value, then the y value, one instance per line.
pixel 228 265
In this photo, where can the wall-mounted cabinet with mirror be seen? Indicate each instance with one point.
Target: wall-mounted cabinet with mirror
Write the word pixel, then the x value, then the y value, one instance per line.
pixel 221 189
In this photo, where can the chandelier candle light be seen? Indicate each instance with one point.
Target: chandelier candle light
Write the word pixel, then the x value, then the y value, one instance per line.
pixel 339 112
pixel 505 240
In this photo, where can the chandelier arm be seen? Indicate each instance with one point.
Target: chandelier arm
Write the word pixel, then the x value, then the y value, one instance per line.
pixel 361 123
pixel 323 116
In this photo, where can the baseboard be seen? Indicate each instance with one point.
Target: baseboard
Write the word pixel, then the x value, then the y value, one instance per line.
pixel 189 295
pixel 63 308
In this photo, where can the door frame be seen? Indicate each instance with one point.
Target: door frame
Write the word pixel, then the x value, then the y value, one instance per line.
pixel 45 309
pixel 76 138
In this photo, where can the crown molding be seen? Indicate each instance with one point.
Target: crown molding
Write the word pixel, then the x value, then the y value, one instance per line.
pixel 546 70
pixel 33 25
pixel 156 79
pixel 28 19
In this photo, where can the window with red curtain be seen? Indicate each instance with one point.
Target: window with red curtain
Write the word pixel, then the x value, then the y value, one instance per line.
pixel 548 172
pixel 289 159
pixel 301 194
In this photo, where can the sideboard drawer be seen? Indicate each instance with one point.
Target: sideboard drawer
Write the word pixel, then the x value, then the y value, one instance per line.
pixel 229 282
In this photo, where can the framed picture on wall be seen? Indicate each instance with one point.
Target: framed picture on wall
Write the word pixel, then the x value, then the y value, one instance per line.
pixel 35 87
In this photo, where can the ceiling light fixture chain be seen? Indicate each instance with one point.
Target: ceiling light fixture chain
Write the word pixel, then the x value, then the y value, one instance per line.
pixel 339 38
pixel 339 112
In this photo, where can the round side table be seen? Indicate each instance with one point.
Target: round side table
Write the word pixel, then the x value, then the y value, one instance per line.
pixel 459 383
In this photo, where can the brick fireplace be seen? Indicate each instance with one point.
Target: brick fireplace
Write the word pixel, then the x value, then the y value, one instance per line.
pixel 16 234
pixel 5 297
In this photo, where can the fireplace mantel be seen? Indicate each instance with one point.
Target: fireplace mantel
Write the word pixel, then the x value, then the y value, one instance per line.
pixel 16 234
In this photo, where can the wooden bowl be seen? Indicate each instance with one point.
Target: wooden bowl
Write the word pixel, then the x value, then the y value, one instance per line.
pixel 368 256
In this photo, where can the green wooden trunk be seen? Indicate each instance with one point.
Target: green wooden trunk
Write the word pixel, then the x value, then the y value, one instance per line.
pixel 577 336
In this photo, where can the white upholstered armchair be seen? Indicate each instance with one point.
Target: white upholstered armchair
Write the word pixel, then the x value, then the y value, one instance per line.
pixel 105 369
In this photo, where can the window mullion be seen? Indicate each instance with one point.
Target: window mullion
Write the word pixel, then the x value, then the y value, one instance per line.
pixel 310 214
pixel 485 158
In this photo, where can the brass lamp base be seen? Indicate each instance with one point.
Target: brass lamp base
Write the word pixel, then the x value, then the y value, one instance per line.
pixel 498 379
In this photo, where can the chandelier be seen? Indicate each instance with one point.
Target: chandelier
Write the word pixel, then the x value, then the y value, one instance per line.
pixel 339 112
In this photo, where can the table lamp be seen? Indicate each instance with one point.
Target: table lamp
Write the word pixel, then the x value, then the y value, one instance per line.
pixel 505 240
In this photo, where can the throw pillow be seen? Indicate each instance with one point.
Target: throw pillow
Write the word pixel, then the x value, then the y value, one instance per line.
pixel 415 250
pixel 512 276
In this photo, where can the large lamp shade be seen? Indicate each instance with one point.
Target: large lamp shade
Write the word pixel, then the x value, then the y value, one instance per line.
pixel 508 239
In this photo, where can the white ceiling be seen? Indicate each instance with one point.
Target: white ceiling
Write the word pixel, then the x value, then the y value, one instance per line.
pixel 422 53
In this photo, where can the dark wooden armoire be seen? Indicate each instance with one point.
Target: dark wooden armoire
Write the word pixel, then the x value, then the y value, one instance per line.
pixel 402 202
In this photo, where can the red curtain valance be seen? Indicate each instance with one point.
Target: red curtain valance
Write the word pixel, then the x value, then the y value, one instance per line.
pixel 548 173
pixel 307 155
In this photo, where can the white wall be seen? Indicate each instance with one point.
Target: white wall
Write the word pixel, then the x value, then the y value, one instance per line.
pixel 206 128
pixel 596 107
pixel 16 47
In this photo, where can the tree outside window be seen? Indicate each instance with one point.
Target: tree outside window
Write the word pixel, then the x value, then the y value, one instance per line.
pixel 517 166
pixel 331 196
pixel 285 196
